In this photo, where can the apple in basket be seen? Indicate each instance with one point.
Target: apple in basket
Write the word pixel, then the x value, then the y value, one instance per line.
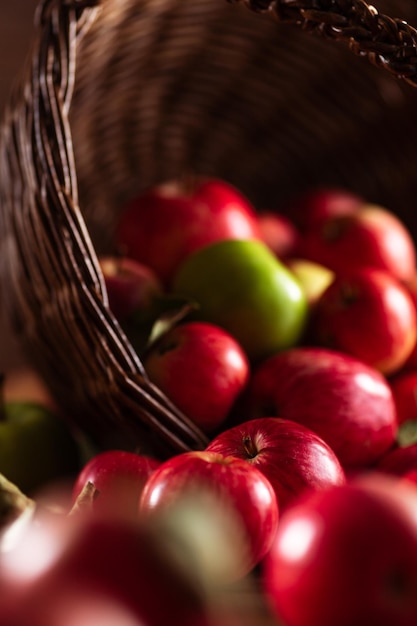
pixel 236 497
pixel 279 233
pixel 347 555
pixel 132 287
pixel 242 287
pixel 372 236
pixel 368 313
pixel 314 206
pixel 348 403
pixel 164 224
pixel 291 456
pixel 201 368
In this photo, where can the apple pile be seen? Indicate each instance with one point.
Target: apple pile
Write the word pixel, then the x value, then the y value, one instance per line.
pixel 290 339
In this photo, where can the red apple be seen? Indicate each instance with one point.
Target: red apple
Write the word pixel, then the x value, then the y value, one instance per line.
pixel 410 476
pixel 347 555
pixel 278 232
pixel 201 368
pixel 235 487
pixel 399 460
pixel 131 286
pixel 404 390
pixel 411 286
pixel 372 236
pixel 367 313
pixel 291 456
pixel 166 223
pixel 119 477
pixel 348 403
pixel 317 205
pixel 60 564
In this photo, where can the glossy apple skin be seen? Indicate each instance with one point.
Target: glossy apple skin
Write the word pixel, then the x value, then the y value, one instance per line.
pixel 166 223
pixel 346 555
pixel 369 237
pixel 237 487
pixel 37 446
pixel 291 456
pixel 242 287
pixel 279 233
pixel 99 557
pixel 346 402
pixel 202 369
pixel 119 476
pixel 367 312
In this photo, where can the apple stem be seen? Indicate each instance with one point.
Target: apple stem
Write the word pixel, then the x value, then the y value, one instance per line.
pixel 249 447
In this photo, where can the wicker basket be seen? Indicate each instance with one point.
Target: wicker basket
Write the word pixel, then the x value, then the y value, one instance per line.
pixel 275 96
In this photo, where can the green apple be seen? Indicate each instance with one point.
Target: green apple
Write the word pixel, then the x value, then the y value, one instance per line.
pixel 241 286
pixel 36 446
pixel 313 277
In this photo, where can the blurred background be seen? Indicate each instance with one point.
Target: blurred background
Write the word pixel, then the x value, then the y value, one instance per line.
pixel 16 29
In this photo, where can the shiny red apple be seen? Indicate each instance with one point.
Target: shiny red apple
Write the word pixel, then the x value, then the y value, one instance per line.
pixel 368 313
pixel 235 487
pixel 119 477
pixel 372 236
pixel 166 223
pixel 347 556
pixel 291 456
pixel 346 402
pixel 201 368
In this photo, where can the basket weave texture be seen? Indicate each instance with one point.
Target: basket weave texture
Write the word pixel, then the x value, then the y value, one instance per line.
pixel 275 96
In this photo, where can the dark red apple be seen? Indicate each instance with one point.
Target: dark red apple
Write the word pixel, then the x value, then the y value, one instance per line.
pixel 368 313
pixel 279 233
pixel 235 487
pixel 131 286
pixel 373 236
pixel 399 460
pixel 346 402
pixel 201 368
pixel 166 223
pixel 119 477
pixel 411 286
pixel 404 390
pixel 347 555
pixel 317 205
pixel 291 456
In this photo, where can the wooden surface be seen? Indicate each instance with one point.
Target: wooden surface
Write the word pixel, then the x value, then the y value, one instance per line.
pixel 16 28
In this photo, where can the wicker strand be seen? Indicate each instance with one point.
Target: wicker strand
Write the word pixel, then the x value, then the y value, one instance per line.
pixel 387 42
pixel 53 209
